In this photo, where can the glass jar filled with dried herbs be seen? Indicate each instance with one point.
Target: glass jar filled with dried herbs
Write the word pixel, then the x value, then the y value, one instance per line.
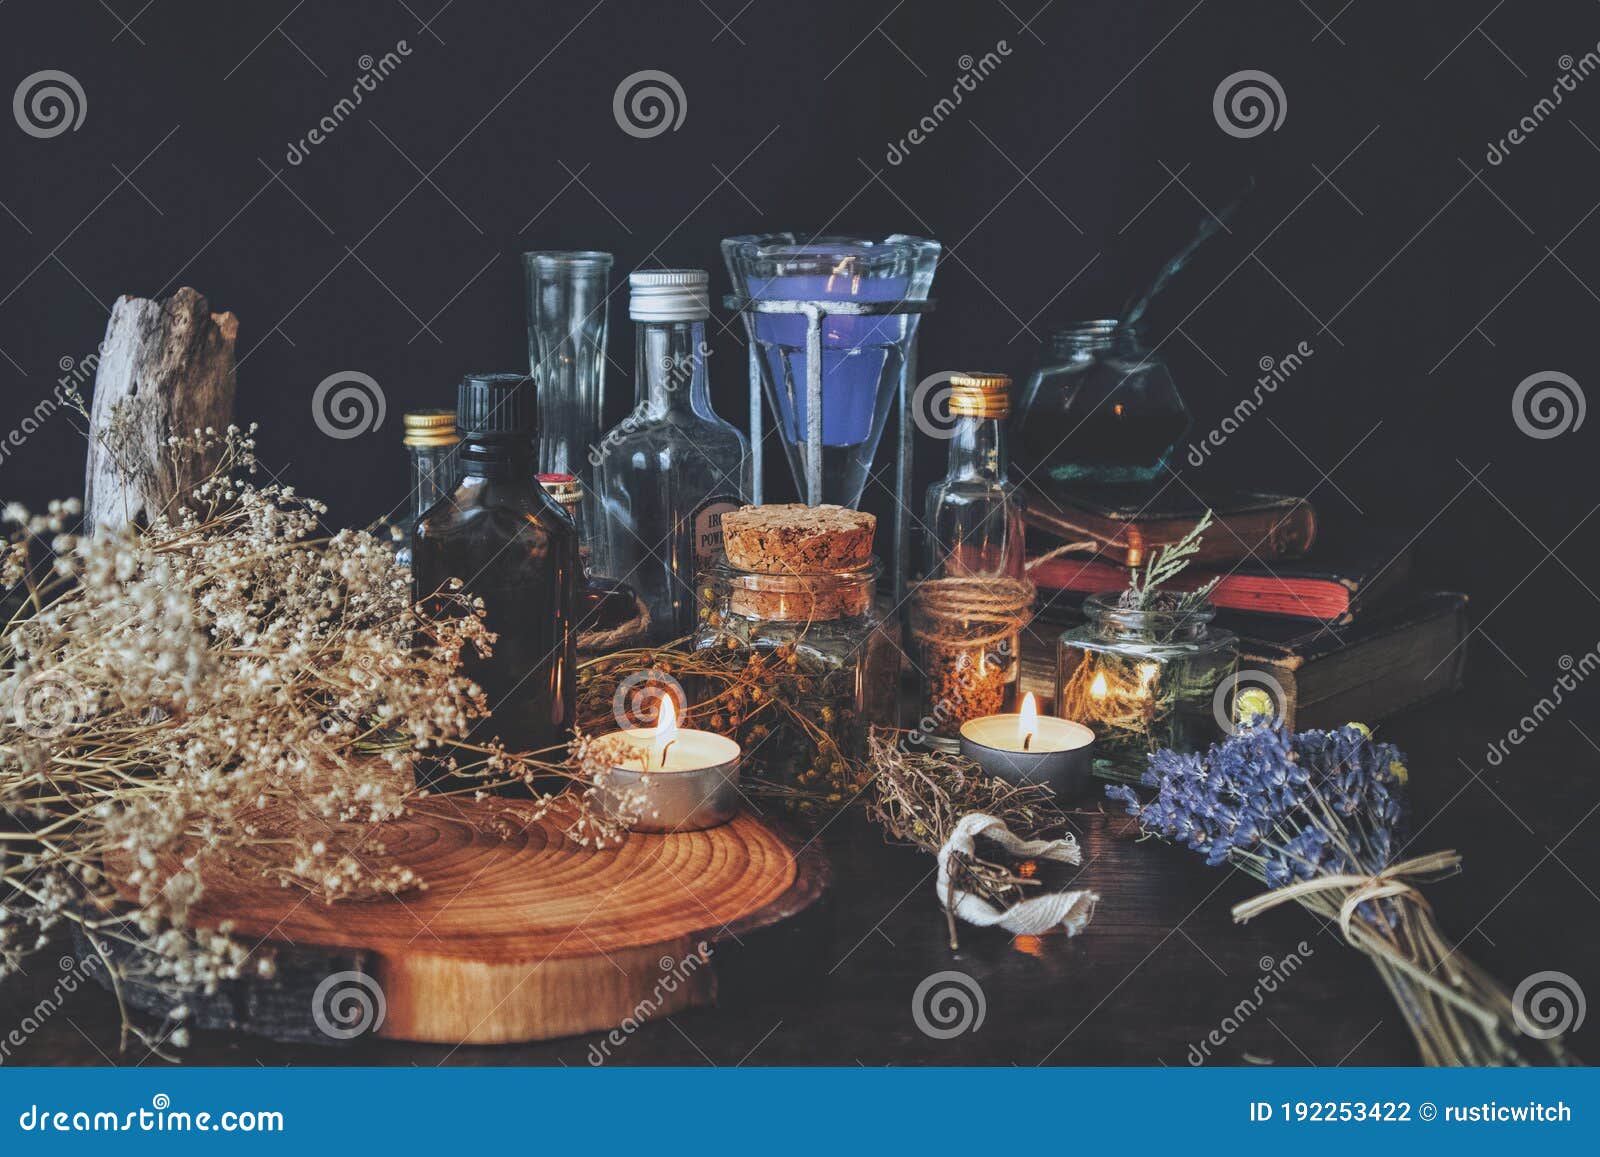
pixel 827 668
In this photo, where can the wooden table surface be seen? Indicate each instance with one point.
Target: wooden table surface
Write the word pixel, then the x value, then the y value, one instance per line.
pixel 1161 966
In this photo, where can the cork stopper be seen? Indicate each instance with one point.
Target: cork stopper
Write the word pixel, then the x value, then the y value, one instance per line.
pixel 795 564
pixel 797 540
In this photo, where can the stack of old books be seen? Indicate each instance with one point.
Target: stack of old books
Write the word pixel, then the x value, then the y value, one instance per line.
pixel 1331 612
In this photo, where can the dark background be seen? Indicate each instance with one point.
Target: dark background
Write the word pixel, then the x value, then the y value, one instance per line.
pixel 1428 282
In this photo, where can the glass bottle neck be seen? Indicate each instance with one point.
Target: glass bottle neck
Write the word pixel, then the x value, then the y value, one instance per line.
pixel 497 458
pixel 433 475
pixel 670 366
pixel 1094 337
pixel 978 450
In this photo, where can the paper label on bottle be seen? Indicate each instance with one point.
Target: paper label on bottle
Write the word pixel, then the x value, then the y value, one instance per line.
pixel 705 528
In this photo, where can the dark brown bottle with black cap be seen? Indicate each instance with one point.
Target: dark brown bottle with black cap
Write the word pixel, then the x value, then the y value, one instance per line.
pixel 514 548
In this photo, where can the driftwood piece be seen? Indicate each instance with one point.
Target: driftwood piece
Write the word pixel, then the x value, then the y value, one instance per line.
pixel 165 370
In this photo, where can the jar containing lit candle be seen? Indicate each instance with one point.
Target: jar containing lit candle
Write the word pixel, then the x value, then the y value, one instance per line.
pixel 1142 680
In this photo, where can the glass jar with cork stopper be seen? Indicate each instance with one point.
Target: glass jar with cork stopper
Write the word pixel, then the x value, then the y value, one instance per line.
pixel 796 596
pixel 968 610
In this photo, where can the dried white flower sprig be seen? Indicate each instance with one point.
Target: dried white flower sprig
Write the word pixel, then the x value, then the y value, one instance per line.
pixel 165 690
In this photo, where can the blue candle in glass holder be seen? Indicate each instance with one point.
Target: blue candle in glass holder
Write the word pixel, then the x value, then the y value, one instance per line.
pixel 862 356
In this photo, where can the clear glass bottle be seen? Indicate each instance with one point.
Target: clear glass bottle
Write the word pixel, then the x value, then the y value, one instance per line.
pixel 605 606
pixel 516 550
pixel 670 470
pixel 1142 680
pixel 1100 408
pixel 431 442
pixel 568 297
pixel 825 650
pixel 974 598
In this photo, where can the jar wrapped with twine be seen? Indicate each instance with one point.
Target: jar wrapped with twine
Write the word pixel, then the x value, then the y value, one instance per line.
pixel 966 637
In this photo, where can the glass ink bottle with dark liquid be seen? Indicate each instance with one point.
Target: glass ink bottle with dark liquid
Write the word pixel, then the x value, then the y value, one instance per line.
pixel 1100 409
pixel 512 547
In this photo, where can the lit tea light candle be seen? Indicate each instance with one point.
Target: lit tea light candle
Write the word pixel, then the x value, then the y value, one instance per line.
pixel 1029 748
pixel 685 780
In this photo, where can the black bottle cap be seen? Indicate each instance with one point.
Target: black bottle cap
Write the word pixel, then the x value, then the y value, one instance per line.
pixel 497 404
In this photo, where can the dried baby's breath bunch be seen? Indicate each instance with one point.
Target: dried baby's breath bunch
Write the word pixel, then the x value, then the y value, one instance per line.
pixel 197 695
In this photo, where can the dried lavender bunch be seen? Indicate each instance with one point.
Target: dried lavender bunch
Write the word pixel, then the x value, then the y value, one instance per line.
pixel 1320 817
pixel 194 696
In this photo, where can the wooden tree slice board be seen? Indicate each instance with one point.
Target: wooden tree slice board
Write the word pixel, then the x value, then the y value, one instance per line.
pixel 522 934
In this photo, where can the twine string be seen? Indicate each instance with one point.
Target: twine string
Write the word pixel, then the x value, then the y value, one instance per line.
pixel 1394 882
pixel 620 635
pixel 970 612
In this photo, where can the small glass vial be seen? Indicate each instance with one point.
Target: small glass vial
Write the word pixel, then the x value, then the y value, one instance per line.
pixel 512 547
pixel 431 441
pixel 1142 680
pixel 968 611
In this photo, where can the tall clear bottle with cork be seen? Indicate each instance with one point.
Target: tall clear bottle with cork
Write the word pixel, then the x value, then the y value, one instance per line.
pixel 670 470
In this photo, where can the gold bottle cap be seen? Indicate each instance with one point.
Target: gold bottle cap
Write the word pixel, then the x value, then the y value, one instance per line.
pixel 980 395
pixel 431 428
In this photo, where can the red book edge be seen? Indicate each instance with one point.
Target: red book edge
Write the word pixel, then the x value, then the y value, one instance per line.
pixel 1324 599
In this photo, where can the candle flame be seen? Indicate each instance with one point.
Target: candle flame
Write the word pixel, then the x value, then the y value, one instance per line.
pixel 666 732
pixel 1098 688
pixel 1028 720
pixel 1147 675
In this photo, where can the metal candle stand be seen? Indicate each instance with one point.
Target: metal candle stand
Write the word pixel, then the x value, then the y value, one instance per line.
pixel 815 312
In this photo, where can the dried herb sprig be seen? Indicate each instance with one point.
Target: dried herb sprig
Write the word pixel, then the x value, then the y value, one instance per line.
pixel 1145 591
pixel 918 797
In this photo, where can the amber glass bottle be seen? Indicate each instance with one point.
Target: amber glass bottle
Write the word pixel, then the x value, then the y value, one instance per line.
pixel 514 548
